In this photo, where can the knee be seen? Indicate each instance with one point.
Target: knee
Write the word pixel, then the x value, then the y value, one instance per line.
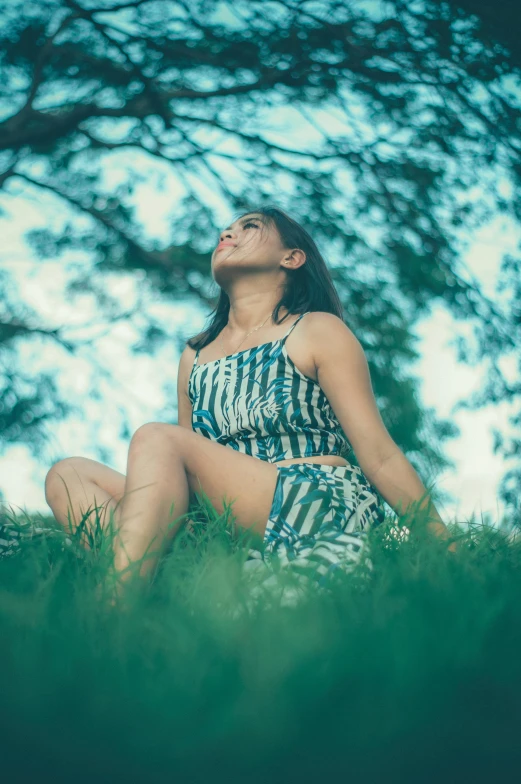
pixel 154 431
pixel 56 476
pixel 146 431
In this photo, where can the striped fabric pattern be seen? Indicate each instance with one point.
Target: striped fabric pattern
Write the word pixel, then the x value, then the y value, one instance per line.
pixel 317 526
pixel 258 402
pixel 320 516
pixel 319 497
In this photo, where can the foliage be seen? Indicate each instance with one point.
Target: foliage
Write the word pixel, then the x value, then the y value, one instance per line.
pixel 172 92
pixel 405 668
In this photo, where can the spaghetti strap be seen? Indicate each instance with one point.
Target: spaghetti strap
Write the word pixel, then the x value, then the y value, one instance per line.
pixel 292 326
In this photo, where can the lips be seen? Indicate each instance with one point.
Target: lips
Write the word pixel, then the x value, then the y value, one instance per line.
pixel 225 245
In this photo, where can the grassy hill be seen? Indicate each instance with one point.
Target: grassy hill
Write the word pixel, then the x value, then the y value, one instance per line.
pixel 405 668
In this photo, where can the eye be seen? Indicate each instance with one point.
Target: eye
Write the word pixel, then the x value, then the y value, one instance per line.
pixel 248 223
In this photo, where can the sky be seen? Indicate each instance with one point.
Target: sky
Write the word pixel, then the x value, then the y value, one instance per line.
pixel 137 381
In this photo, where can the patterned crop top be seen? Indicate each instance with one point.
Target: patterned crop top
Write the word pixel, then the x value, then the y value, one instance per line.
pixel 259 403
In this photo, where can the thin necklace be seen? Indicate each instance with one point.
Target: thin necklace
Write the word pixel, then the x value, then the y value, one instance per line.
pixel 244 338
pixel 249 333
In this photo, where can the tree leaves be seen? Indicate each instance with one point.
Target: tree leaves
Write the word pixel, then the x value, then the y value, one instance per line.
pixel 391 119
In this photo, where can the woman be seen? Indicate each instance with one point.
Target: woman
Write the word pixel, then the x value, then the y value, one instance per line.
pixel 268 397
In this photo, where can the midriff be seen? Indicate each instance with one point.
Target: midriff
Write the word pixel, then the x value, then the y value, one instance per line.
pixel 334 460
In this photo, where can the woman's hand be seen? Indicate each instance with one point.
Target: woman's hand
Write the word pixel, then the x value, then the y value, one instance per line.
pixel 440 529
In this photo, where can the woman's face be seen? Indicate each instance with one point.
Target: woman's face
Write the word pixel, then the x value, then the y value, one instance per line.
pixel 249 244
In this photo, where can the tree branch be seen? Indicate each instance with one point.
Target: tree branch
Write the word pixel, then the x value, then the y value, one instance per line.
pixel 17 120
pixel 150 259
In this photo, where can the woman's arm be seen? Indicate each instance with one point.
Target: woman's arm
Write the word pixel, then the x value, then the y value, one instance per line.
pixel 402 488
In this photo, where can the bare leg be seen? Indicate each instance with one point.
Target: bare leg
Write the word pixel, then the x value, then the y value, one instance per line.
pixel 156 493
pixel 70 495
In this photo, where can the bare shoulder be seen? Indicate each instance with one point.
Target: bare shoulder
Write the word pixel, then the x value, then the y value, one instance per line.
pixel 326 331
pixel 185 366
pixel 327 321
pixel 189 352
pixel 187 357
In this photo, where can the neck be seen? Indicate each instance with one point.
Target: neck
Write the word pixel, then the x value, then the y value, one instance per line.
pixel 243 319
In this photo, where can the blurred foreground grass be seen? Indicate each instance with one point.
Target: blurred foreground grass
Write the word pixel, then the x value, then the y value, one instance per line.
pixel 405 670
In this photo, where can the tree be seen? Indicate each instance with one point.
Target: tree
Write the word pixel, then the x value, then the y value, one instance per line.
pixel 429 121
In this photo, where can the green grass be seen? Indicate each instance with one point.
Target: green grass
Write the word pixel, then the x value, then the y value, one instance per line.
pixel 406 669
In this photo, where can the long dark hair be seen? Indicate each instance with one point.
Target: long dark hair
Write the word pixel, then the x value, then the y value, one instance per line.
pixel 308 288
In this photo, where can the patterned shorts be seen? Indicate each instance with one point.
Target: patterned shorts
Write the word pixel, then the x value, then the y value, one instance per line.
pixel 13 536
pixel 319 518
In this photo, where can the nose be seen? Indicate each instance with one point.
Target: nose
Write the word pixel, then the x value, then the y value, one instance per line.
pixel 226 236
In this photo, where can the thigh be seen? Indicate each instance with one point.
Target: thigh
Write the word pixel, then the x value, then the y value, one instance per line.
pixel 228 476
